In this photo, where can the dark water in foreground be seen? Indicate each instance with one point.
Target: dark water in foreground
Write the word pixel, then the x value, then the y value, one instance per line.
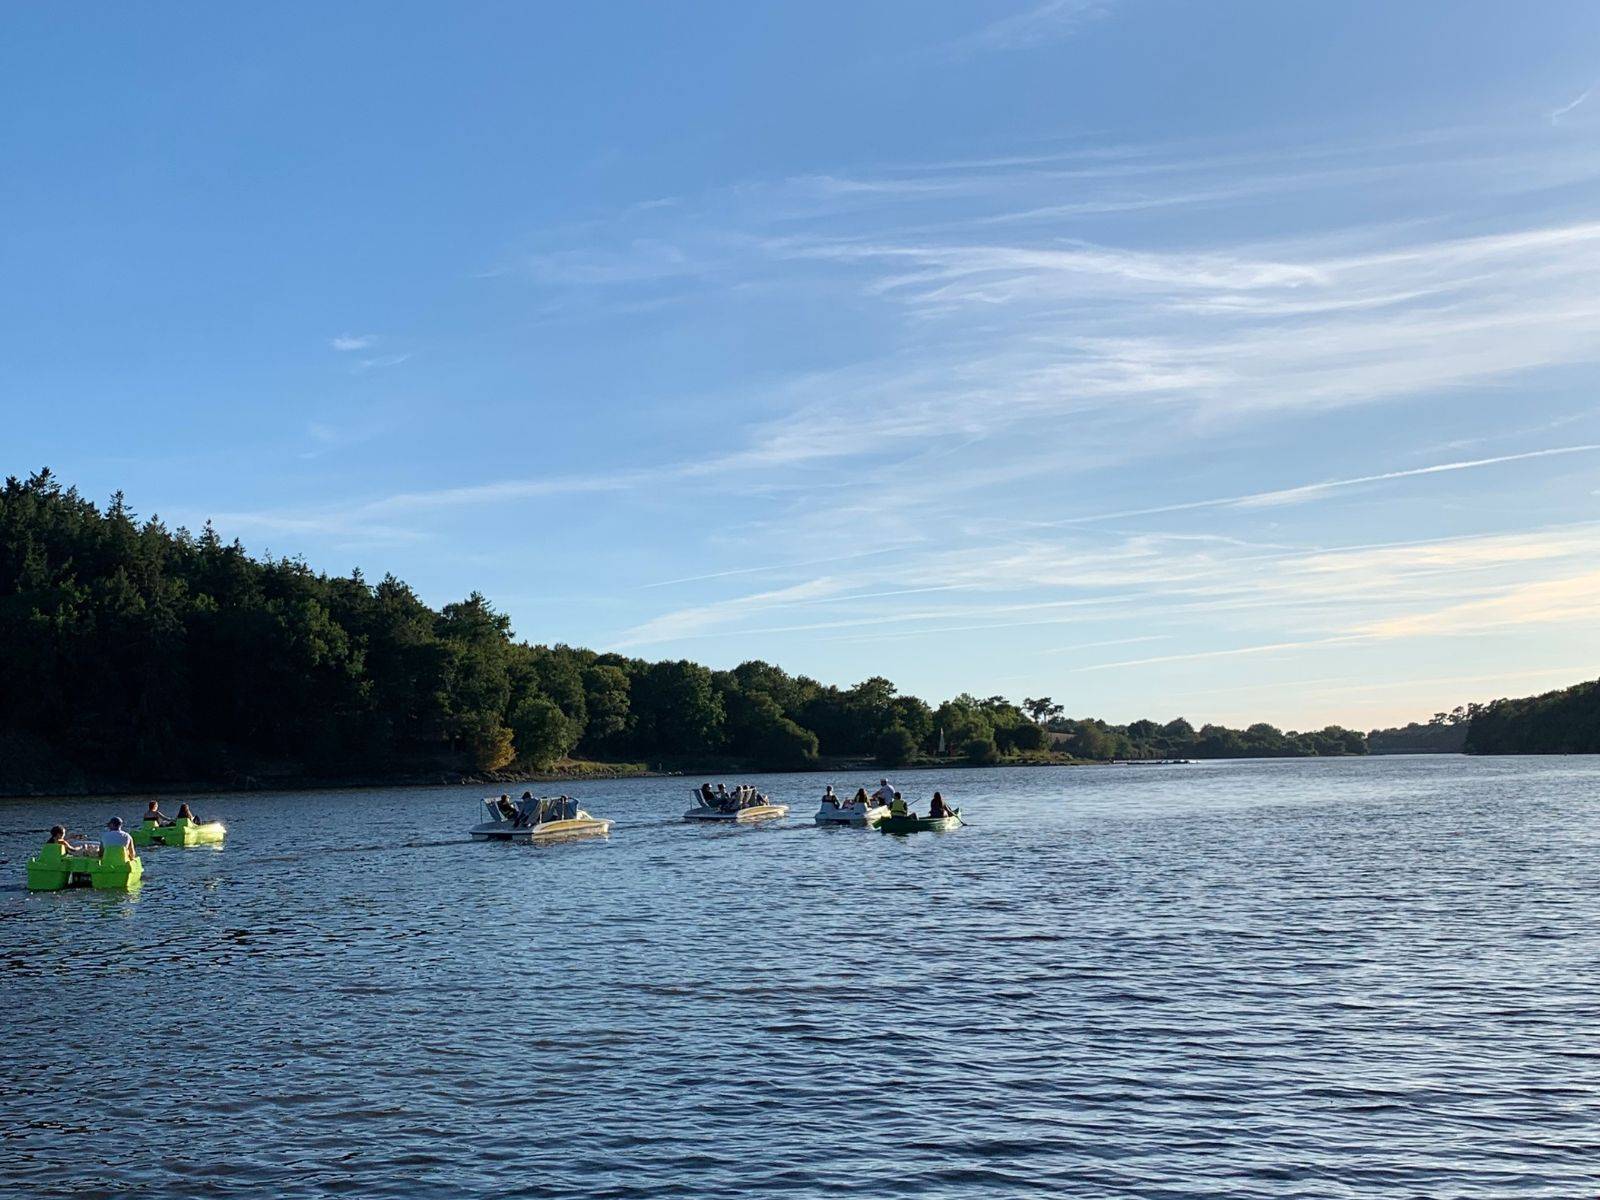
pixel 1273 979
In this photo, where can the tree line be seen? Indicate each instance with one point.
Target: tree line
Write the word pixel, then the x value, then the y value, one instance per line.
pixel 1566 721
pixel 132 652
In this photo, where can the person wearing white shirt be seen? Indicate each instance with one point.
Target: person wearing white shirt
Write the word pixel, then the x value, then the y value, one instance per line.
pixel 116 836
pixel 885 793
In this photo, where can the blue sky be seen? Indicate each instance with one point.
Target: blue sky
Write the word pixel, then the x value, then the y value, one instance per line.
pixel 1236 361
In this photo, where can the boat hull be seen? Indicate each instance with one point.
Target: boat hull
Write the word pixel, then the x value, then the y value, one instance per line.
pixel 851 817
pixel 912 824
pixel 182 832
pixel 755 812
pixel 548 831
pixel 52 871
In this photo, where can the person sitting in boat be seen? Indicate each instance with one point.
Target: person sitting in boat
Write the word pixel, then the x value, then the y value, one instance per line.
pixel 58 837
pixel 154 813
pixel 829 798
pixel 184 812
pixel 937 807
pixel 897 806
pixel 862 798
pixel 115 836
pixel 885 793
pixel 504 806
pixel 707 796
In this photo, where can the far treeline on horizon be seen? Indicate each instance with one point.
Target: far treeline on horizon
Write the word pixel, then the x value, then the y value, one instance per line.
pixel 134 654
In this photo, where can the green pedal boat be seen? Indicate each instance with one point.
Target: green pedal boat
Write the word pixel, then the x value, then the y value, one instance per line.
pixel 911 823
pixel 182 832
pixel 53 869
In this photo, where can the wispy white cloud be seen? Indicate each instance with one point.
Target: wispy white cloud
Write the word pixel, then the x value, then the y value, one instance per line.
pixel 1234 652
pixel 1034 26
pixel 1540 602
pixel 1558 113
pixel 1313 491
pixel 771 567
pixel 703 618
pixel 380 362
pixel 346 342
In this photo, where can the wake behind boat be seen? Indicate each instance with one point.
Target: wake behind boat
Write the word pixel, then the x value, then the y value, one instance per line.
pixel 536 819
pixel 744 803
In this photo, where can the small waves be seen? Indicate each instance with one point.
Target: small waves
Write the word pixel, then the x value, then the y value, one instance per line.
pixel 1243 980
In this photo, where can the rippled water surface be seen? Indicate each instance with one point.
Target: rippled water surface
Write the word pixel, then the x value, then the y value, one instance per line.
pixel 1284 979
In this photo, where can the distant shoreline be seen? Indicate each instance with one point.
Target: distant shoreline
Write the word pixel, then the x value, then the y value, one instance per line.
pixel 583 771
pixel 575 771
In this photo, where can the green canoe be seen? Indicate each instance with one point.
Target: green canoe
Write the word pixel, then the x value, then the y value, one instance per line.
pixel 52 869
pixel 911 823
pixel 182 832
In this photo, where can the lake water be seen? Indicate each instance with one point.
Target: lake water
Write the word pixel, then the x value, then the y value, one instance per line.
pixel 1256 979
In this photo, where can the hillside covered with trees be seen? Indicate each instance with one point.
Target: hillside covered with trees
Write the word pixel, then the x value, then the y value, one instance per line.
pixel 1443 733
pixel 1560 722
pixel 137 654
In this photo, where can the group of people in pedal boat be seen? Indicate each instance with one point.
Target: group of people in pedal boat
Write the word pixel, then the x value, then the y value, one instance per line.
pixel 553 808
pixel 721 799
pixel 886 795
pixel 114 836
pixel 154 813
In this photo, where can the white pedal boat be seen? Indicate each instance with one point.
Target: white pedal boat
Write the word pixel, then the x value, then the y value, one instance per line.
pixel 537 820
pixel 734 808
pixel 834 811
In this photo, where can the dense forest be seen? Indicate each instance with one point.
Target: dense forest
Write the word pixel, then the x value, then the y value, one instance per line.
pixel 132 653
pixel 1561 722
pixel 1178 739
pixel 1443 733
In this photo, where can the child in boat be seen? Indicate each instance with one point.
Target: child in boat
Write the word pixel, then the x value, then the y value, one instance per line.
pixel 154 813
pixel 937 807
pixel 58 837
pixel 897 806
